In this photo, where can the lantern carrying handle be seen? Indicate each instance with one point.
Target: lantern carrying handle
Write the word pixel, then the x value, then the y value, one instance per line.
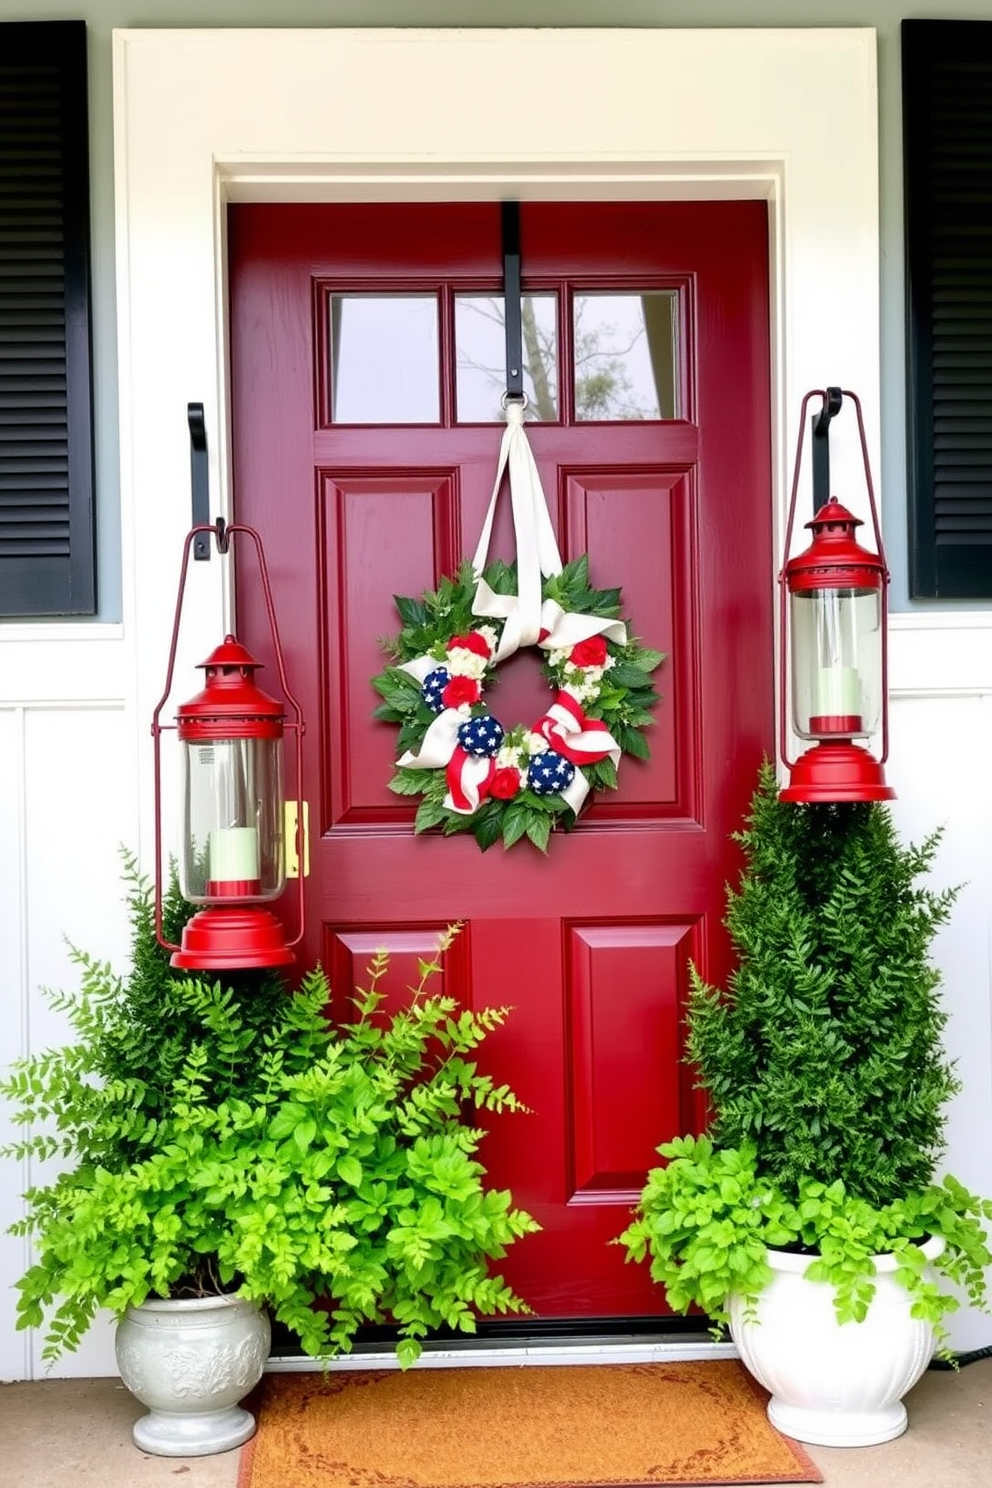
pixel 222 532
pixel 831 401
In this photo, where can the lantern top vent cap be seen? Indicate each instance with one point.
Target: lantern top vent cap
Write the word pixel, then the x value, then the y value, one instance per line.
pixel 231 653
pixel 231 704
pixel 832 514
pixel 835 559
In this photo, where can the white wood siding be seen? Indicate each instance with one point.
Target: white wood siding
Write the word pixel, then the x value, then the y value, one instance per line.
pixel 67 804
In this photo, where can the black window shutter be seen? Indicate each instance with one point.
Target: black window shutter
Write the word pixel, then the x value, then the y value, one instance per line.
pixel 47 553
pixel 947 142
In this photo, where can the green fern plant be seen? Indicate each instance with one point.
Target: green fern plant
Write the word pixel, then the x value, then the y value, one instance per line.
pixel 825 1075
pixel 225 1136
pixel 133 1033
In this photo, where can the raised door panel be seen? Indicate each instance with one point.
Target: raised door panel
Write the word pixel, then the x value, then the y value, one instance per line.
pixel 351 956
pixel 639 523
pixel 379 535
pixel 626 1001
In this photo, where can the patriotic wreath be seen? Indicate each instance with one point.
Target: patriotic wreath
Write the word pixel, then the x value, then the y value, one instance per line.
pixel 473 772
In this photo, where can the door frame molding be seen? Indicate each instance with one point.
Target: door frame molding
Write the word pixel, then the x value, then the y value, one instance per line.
pixel 203 117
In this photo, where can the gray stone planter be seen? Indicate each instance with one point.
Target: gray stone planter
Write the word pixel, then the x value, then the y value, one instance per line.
pixel 190 1361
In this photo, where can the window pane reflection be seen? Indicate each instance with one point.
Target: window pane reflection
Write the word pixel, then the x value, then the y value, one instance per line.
pixel 626 355
pixel 384 359
pixel 480 357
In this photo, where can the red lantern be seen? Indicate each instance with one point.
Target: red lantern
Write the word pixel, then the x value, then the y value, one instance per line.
pixel 233 857
pixel 834 650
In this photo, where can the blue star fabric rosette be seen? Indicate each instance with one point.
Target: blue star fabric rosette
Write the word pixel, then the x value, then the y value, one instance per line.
pixel 434 684
pixel 481 736
pixel 549 774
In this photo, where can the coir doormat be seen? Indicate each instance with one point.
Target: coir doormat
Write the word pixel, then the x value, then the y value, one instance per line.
pixel 549 1426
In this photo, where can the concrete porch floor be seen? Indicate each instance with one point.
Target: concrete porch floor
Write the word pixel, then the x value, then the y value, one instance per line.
pixel 77 1434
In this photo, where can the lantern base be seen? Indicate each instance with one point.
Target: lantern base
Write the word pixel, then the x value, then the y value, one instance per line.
pixel 222 939
pixel 836 772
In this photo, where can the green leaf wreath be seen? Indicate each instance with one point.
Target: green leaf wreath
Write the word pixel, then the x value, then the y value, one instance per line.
pixel 608 683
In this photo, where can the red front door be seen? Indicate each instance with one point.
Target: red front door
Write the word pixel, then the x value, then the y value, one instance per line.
pixel 367 466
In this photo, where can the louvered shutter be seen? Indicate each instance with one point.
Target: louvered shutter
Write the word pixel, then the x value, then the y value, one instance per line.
pixel 46 462
pixel 947 134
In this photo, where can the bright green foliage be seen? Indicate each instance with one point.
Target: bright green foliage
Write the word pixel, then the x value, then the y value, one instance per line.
pixel 826 1049
pixel 825 1074
pixel 707 1218
pixel 230 1136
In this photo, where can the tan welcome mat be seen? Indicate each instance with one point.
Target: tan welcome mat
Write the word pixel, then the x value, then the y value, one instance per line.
pixel 547 1426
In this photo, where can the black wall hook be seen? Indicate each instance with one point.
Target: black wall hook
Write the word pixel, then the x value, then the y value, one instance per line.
pixel 199 477
pixel 821 446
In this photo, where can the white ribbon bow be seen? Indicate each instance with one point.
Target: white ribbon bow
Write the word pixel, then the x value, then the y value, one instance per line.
pixel 537 551
pixel 528 621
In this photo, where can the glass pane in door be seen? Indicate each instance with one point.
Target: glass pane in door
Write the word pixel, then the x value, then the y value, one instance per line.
pixel 480 357
pixel 626 355
pixel 384 359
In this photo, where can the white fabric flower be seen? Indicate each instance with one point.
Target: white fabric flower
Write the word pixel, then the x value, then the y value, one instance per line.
pixel 465 663
pixel 584 692
pixel 581 676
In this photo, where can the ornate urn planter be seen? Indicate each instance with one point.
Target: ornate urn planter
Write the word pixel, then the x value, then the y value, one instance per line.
pixel 190 1361
pixel 833 1384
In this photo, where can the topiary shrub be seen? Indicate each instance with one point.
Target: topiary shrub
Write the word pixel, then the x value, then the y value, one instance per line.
pixel 825 1049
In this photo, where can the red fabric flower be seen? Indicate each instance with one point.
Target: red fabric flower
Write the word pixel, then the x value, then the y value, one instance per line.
pixel 505 783
pixel 461 690
pixel 473 641
pixel 590 653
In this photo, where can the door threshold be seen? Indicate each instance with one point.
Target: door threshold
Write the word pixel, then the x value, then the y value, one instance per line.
pixel 668 1348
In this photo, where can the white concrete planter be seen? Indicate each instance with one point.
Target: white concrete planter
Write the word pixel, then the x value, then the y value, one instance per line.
pixel 190 1361
pixel 836 1385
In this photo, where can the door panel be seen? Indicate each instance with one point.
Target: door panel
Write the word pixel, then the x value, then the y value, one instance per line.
pixel 393 526
pixel 620 977
pixel 591 944
pixel 601 510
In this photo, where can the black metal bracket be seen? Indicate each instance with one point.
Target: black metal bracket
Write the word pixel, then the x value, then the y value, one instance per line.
pixel 821 446
pixel 199 471
pixel 512 312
